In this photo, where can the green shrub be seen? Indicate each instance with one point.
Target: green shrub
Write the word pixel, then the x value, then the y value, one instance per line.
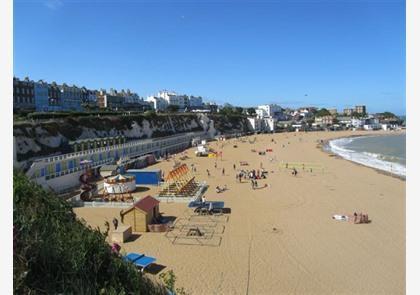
pixel 55 253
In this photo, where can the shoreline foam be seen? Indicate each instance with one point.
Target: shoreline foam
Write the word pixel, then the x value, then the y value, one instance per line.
pixel 372 160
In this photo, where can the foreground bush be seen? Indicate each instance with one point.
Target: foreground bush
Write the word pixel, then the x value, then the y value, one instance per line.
pixel 56 253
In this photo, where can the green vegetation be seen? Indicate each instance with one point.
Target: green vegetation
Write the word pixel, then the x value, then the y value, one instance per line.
pixel 169 280
pixel 54 253
pixel 251 111
pixel 358 115
pixel 229 110
pixel 322 112
pixel 387 115
pixel 172 108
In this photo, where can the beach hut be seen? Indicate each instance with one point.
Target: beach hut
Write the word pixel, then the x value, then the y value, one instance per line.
pixel 141 214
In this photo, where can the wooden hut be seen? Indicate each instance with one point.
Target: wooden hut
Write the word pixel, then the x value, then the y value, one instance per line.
pixel 141 214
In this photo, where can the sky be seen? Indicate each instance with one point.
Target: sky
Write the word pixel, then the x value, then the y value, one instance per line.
pixel 331 53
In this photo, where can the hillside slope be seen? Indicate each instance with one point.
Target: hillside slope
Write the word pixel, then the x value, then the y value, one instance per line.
pixel 52 137
pixel 54 253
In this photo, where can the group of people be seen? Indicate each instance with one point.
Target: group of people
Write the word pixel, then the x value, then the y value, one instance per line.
pixel 356 218
pixel 251 174
pixel 360 218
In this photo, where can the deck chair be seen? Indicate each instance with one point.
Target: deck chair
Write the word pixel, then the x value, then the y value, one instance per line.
pixel 140 260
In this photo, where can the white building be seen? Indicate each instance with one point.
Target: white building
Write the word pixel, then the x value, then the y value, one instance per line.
pixel 269 110
pixel 357 123
pixel 158 103
pixel 174 99
pixel 372 126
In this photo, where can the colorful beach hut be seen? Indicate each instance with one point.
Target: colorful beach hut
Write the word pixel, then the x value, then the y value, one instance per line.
pixel 141 214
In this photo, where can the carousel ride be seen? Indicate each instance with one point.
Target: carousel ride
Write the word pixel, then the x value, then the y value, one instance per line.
pixel 119 188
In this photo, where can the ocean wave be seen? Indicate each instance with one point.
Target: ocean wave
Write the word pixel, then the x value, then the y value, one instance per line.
pixel 381 162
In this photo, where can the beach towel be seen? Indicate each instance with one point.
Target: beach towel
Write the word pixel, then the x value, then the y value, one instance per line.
pixel 340 217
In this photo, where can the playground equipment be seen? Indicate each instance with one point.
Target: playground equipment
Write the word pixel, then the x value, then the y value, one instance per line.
pixel 180 182
pixel 120 184
pixel 89 190
pixel 118 188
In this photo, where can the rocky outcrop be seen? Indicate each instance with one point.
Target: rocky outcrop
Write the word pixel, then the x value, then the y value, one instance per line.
pixel 52 137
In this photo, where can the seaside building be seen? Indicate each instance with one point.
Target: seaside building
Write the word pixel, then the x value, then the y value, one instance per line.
pixel 196 101
pixel 54 97
pixel 71 97
pixel 324 120
pixel 158 103
pixel 92 96
pixel 372 124
pixel 333 112
pixel 358 123
pixel 84 94
pixel 23 94
pixel 174 99
pixel 42 101
pixel 361 109
pixel 348 111
pixel 344 121
pixel 269 110
pixel 111 100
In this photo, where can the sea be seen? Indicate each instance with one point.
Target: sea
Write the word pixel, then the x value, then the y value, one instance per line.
pixel 383 152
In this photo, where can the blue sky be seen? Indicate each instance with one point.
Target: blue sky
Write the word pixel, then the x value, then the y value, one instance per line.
pixel 295 53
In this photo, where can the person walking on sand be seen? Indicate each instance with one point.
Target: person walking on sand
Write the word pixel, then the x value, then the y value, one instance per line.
pixel 234 167
pixel 223 171
pixel 115 222
pixel 208 172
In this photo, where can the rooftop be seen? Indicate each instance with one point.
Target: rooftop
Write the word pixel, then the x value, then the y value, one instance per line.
pixel 146 204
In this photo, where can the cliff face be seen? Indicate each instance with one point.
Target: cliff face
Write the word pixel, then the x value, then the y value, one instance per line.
pixel 52 137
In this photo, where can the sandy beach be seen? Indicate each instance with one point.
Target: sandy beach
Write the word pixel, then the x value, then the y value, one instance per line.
pixel 282 239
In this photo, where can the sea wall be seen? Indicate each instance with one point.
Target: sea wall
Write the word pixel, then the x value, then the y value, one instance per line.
pixel 44 138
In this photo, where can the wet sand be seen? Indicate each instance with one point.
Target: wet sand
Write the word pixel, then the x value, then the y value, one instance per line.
pixel 282 239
